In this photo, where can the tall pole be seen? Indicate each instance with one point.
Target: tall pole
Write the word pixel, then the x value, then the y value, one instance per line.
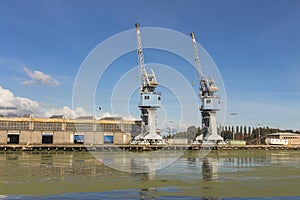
pixel 233 130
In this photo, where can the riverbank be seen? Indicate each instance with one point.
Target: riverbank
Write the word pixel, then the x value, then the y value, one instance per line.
pixel 110 147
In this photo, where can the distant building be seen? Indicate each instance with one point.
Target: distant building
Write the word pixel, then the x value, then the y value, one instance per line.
pixel 177 141
pixel 58 117
pixel 28 116
pixel 60 130
pixel 283 138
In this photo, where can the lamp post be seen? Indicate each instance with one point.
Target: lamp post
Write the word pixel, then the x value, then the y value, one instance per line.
pixel 233 114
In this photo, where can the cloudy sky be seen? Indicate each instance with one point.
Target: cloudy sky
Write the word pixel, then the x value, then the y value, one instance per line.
pixel 255 45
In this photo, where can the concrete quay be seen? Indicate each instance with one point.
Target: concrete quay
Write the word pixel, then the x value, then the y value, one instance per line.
pixel 131 147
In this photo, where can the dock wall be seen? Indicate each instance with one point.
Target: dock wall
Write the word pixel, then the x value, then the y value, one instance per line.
pixel 30 137
pixel 3 137
pixel 106 147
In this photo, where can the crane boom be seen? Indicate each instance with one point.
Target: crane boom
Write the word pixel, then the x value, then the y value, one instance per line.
pixel 196 57
pixel 140 54
pixel 148 81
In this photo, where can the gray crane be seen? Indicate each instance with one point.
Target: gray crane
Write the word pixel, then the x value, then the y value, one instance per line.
pixel 150 100
pixel 210 101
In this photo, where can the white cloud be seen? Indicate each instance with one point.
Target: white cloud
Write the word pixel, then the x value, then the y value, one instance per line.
pixel 108 114
pixel 38 77
pixel 10 104
pixel 14 105
pixel 70 113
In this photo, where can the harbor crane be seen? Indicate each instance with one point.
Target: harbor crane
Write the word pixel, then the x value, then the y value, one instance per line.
pixel 150 100
pixel 210 102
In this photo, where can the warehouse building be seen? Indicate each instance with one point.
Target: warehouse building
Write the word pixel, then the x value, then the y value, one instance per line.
pixel 58 129
pixel 283 139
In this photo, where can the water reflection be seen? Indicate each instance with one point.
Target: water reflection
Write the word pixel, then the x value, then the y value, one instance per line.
pixel 148 193
pixel 11 157
pixel 46 160
pixel 137 162
pixel 191 174
pixel 209 169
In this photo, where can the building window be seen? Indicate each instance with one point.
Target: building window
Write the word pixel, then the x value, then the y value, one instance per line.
pixel 158 98
pixel 47 126
pixel 11 125
pixel 100 127
pixel 24 126
pixel 146 97
pixel 3 125
pixel 127 128
pixel 70 127
pixel 18 125
pixel 110 127
pixel 88 127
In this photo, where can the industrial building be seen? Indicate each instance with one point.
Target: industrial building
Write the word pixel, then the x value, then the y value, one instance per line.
pixel 283 138
pixel 58 129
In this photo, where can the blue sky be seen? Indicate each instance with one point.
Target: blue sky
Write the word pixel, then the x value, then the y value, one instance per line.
pixel 255 45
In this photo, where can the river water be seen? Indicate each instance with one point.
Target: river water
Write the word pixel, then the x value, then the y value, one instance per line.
pixel 232 174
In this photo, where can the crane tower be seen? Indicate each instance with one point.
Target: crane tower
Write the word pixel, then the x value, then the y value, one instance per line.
pixel 150 100
pixel 210 102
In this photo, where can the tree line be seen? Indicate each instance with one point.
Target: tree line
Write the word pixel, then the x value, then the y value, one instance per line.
pixel 248 133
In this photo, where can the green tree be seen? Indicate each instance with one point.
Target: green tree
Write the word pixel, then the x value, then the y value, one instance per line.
pixel 237 129
pixel 227 135
pixel 191 132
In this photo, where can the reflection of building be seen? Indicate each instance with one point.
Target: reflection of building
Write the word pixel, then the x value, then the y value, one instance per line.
pixel 60 130
pixel 283 138
pixel 38 167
